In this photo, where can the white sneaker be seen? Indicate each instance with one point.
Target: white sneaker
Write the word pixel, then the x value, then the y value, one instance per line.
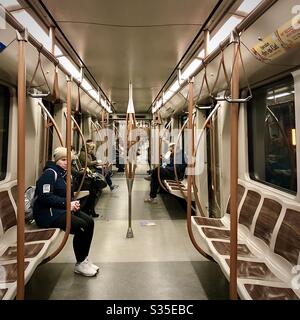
pixel 150 200
pixel 92 265
pixel 85 269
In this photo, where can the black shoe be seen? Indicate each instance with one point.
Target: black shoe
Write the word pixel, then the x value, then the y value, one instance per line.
pixel 95 215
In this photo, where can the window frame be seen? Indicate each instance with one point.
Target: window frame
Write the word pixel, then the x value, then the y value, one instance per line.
pixel 252 172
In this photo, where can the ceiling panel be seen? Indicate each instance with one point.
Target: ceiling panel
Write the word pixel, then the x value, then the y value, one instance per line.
pixel 137 40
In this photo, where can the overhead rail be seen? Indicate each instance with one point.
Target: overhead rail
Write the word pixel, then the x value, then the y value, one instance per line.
pixel 19 28
pixel 250 19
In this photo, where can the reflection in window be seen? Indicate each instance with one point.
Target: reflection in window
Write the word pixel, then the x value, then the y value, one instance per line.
pixel 272 135
pixel 4 120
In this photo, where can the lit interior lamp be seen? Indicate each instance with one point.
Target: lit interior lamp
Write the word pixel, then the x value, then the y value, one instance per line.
pixel 294 137
pixel 130 108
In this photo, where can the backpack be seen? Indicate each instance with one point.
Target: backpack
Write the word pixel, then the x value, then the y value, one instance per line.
pixel 29 201
pixel 30 197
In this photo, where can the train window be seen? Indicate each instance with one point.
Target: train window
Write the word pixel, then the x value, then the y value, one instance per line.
pixel 4 121
pixel 271 133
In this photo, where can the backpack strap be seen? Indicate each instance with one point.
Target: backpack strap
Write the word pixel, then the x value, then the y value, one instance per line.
pixel 55 173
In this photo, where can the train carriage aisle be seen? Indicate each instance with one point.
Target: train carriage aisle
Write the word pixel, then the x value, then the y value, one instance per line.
pixel 160 262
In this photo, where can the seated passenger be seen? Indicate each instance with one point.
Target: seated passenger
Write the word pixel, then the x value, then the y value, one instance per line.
pixel 94 164
pixel 49 211
pixel 90 183
pixel 167 171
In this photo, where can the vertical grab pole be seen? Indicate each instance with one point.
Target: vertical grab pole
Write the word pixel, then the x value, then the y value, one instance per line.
pixel 68 145
pixel 21 165
pixel 190 157
pixel 234 113
pixel 129 174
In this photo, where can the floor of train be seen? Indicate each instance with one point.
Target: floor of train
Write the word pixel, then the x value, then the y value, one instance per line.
pixel 160 262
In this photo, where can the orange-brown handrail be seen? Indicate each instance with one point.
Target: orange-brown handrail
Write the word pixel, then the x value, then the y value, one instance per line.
pixel 21 167
pixel 160 155
pixel 234 113
pixel 84 143
pixel 59 135
pixel 190 168
pixel 69 159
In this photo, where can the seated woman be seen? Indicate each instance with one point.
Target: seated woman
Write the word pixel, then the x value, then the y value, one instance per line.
pixel 49 211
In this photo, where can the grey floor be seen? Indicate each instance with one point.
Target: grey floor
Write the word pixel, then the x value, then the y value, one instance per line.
pixel 158 263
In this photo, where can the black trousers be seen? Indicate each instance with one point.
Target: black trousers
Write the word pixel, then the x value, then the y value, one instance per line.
pixel 82 227
pixel 165 173
pixel 88 204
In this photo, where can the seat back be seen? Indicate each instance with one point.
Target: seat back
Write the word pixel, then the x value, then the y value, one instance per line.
pixel 7 212
pixel 241 191
pixel 287 242
pixel 266 220
pixel 249 208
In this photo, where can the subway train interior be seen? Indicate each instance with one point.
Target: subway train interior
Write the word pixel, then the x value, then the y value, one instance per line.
pixel 148 150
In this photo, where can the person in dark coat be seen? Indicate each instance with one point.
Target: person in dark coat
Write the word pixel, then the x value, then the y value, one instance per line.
pixel 167 172
pixel 49 210
pixel 90 183
pixel 94 165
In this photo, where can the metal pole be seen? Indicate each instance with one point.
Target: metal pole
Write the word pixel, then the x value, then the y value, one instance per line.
pixel 68 145
pixel 129 186
pixel 21 165
pixel 129 173
pixel 234 113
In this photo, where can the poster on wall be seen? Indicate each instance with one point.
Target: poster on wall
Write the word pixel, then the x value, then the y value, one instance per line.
pixel 284 38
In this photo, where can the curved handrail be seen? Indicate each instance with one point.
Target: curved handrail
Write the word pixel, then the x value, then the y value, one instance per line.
pixel 100 137
pixel 68 196
pixel 84 143
pixel 176 174
pixel 131 125
pixel 189 188
pixel 160 143
pixel 40 103
pixel 204 126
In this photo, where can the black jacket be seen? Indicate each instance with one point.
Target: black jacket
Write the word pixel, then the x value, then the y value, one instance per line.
pixel 51 193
